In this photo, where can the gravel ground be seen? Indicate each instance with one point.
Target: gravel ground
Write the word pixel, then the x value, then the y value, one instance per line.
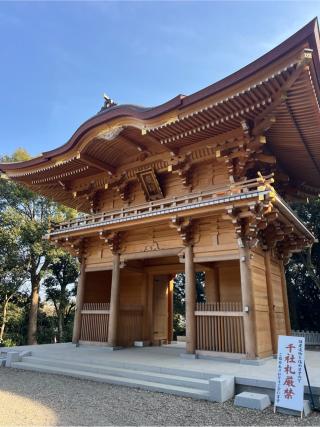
pixel 30 398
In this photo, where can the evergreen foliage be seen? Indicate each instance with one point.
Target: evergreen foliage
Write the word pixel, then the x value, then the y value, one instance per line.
pixel 303 274
pixel 26 255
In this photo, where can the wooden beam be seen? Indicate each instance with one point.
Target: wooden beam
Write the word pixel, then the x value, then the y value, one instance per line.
pixel 172 151
pixel 265 158
pixel 140 148
pixel 96 163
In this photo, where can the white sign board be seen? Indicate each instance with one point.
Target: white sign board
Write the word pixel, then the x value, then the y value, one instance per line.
pixel 290 373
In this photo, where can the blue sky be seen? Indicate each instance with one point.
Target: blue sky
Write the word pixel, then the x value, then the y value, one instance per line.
pixel 58 58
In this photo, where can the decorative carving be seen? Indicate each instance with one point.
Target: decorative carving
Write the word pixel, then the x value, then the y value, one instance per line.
pixel 111 134
pixel 153 247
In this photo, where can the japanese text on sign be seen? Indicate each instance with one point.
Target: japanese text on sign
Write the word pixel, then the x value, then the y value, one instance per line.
pixel 290 373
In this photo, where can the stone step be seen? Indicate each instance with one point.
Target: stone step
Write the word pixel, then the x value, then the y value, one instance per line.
pixel 158 377
pixel 187 373
pixel 116 380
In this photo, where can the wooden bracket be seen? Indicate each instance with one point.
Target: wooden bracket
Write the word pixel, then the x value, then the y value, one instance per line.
pixel 249 222
pixel 184 228
pixel 112 239
pixel 120 184
pixel 75 246
pixel 90 194
pixel 182 166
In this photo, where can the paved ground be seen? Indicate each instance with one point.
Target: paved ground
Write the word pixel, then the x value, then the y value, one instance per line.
pixel 29 398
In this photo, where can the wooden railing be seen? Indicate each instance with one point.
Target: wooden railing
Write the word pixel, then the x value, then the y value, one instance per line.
pixel 311 338
pixel 165 205
pixel 220 327
pixel 95 322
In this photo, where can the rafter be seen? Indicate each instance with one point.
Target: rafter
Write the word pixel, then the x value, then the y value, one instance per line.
pixel 172 151
pixel 96 163
pixel 263 121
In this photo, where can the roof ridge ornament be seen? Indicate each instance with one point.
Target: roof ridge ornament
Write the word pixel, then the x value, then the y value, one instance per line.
pixel 108 103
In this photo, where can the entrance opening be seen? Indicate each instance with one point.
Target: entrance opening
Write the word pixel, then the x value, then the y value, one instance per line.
pixel 179 309
pixel 152 304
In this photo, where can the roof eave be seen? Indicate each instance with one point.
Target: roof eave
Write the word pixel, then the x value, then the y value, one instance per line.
pixel 309 34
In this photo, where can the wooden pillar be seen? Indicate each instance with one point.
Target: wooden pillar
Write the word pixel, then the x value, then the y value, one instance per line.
pixel 285 299
pixel 212 285
pixel 247 302
pixel 79 303
pixel 170 309
pixel 150 329
pixel 145 284
pixel 190 293
pixel 114 301
pixel 267 260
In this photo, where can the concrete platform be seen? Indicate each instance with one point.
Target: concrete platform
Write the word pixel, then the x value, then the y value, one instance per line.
pixel 161 366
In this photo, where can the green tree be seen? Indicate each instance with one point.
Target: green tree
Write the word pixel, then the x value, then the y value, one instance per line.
pixel 34 214
pixel 12 272
pixel 60 287
pixel 303 273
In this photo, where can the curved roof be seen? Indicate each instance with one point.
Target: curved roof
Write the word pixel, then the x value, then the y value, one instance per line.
pixel 245 94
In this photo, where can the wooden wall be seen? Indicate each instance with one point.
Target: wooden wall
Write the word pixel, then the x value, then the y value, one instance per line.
pixel 133 300
pixel 263 309
pixel 97 286
pixel 213 237
pixel 260 304
pixel 138 240
pixel 279 310
pixel 229 281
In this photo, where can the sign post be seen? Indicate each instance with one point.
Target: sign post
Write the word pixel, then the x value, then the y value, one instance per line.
pixel 290 373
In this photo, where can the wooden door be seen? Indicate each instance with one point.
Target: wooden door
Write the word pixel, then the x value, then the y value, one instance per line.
pixel 160 309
